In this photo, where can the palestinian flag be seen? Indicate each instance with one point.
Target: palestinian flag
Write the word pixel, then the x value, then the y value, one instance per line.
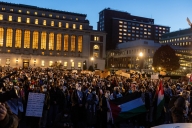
pixel 127 106
pixel 160 100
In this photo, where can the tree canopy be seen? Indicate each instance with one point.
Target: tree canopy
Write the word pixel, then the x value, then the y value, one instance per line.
pixel 165 57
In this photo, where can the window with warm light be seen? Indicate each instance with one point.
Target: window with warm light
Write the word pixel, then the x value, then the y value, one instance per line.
pixel 43 40
pixel 28 20
pixel 95 54
pixel 9 37
pixel 74 26
pixel 35 39
pixel 28 12
pixel 72 64
pixel 19 11
pixel 96 47
pixel 79 64
pixel 80 42
pixel 65 64
pixel 18 38
pixel 50 63
pixel 1 36
pixel 44 22
pixel 43 63
pixel 76 18
pixel 11 10
pixel 67 25
pixel 58 41
pixel 60 24
pixel 72 43
pixel 50 15
pixel 52 23
pixel 66 42
pixel 80 27
pixel 64 17
pixel 3 9
pixel 36 21
pixel 35 13
pixel 51 41
pixel 27 39
pixel 96 38
pixel 57 16
pixel 19 19
pixel 10 18
pixel 43 14
pixel 1 17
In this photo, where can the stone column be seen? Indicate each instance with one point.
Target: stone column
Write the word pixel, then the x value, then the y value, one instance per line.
pixel 55 44
pixel 69 44
pixel 39 43
pixel 4 40
pixel 22 39
pixel 31 43
pixel 76 44
pixel 47 44
pixel 62 43
pixel 13 40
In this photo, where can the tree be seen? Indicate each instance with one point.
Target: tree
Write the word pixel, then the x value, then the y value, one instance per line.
pixel 165 57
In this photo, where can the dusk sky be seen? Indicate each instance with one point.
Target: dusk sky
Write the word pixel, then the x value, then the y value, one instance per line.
pixel 171 13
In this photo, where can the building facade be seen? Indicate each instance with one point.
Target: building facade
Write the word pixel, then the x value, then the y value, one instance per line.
pixel 181 41
pixel 134 55
pixel 123 27
pixel 38 37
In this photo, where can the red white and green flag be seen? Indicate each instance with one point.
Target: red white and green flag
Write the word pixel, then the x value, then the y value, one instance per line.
pixel 127 107
pixel 160 100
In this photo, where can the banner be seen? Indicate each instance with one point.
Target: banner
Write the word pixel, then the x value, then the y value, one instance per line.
pixel 154 77
pixel 97 72
pixel 125 75
pixel 35 104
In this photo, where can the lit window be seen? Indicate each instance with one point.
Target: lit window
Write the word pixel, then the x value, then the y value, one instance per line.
pixel 81 27
pixel 11 10
pixel 60 24
pixel 120 22
pixel 42 62
pixel 43 40
pixel 50 15
pixel 66 42
pixel 52 23
pixel 96 47
pixel 58 42
pixel 95 54
pixel 50 63
pixel 51 41
pixel 28 20
pixel 160 27
pixel 9 37
pixel 43 14
pixel 36 21
pixel 27 39
pixel 18 38
pixel 10 18
pixel 72 64
pixel 35 13
pixel 120 29
pixel 149 33
pixel 1 36
pixel 77 19
pixel 79 64
pixel 141 25
pixel 120 33
pixel 35 39
pixel 57 16
pixel 67 25
pixel 1 17
pixel 133 27
pixel 64 17
pixel 44 22
pixel 72 43
pixel 74 26
pixel 163 28
pixel 19 19
pixel 65 64
pixel 80 42
pixel 28 12
pixel 19 11
pixel 120 40
pixel 120 36
pixel 149 26
pixel 3 9
pixel 96 38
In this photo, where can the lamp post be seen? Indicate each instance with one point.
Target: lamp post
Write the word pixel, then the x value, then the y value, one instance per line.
pixel 140 55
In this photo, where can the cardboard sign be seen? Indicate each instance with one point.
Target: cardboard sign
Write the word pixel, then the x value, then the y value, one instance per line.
pixel 118 72
pixel 155 77
pixel 35 104
pixel 74 71
pixel 125 75
pixel 97 72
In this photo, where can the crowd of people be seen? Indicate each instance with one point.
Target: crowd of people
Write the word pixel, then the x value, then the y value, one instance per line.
pixel 81 100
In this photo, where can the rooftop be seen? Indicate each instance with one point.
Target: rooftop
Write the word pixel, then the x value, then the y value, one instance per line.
pixel 177 33
pixel 40 8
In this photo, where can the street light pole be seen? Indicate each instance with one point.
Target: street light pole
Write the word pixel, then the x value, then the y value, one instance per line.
pixel 92 59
